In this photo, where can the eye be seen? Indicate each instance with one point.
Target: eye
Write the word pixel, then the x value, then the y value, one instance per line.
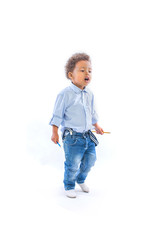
pixel 90 71
pixel 82 70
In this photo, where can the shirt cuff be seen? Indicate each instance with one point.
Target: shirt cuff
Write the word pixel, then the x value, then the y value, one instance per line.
pixel 94 119
pixel 55 121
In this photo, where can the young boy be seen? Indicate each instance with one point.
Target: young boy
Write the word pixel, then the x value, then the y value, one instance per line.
pixel 74 111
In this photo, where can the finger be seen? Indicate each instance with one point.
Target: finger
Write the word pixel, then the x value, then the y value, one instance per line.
pixel 54 140
pixel 102 132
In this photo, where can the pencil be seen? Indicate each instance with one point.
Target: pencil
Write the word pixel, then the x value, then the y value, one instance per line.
pixel 103 132
pixel 58 144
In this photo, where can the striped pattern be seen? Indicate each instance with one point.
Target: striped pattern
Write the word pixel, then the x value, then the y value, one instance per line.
pixel 93 138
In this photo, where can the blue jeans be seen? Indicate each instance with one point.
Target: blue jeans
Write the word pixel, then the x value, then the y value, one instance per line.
pixel 80 156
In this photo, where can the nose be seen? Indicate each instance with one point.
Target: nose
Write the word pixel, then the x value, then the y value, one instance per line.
pixel 88 72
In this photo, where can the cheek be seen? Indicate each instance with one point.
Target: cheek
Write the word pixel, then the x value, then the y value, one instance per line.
pixel 79 76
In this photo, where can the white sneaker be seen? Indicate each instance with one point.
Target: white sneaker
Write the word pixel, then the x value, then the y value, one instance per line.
pixel 84 187
pixel 71 193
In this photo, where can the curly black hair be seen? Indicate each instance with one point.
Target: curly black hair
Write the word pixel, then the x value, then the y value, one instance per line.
pixel 71 63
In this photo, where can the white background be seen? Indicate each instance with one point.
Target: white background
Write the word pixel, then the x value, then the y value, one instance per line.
pixel 122 38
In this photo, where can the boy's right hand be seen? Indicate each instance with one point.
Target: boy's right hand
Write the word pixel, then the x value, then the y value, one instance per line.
pixel 55 138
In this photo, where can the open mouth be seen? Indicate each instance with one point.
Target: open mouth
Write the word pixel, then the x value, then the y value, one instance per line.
pixel 87 79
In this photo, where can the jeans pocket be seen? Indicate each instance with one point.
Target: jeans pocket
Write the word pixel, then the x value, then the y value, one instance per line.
pixel 70 140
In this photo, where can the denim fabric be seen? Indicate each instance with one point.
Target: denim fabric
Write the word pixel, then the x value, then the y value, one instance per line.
pixel 80 156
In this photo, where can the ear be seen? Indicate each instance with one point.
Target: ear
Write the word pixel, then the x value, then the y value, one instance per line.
pixel 70 75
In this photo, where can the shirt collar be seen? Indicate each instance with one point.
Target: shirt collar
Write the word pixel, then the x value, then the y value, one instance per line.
pixel 77 89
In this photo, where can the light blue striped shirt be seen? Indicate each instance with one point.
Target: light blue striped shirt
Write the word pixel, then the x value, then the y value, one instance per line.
pixel 74 108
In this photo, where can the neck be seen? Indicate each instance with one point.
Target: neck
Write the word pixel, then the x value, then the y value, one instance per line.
pixel 78 86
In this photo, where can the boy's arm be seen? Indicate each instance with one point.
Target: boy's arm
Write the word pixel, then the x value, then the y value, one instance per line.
pixel 55 136
pixel 57 117
pixel 58 111
pixel 98 129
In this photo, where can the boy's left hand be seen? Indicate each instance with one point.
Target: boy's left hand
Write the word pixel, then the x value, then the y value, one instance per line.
pixel 98 129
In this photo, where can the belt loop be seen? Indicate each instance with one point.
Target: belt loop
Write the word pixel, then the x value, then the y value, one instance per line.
pixel 84 133
pixel 63 135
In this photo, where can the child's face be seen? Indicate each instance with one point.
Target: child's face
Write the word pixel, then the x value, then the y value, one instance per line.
pixel 81 75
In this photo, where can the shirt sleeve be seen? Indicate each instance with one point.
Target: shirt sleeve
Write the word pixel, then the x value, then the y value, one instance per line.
pixel 58 112
pixel 94 113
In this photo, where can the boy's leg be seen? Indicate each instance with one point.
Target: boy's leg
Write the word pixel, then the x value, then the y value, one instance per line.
pixel 73 156
pixel 87 163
